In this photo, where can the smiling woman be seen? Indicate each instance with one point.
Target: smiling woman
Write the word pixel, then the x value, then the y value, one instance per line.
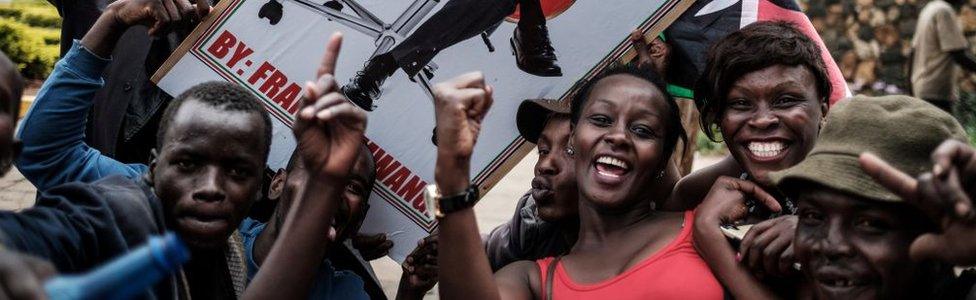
pixel 624 128
pixel 765 88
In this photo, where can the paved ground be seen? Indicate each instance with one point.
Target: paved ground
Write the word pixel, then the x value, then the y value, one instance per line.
pixel 495 208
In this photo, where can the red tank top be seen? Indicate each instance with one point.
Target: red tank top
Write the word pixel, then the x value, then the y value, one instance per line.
pixel 674 272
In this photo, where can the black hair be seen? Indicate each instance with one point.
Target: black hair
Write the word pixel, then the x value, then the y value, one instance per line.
pixel 370 165
pixel 675 130
pixel 755 47
pixel 223 95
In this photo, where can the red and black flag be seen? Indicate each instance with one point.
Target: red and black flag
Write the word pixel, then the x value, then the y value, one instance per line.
pixel 705 22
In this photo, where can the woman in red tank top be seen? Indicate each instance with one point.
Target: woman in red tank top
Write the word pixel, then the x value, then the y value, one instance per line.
pixel 624 129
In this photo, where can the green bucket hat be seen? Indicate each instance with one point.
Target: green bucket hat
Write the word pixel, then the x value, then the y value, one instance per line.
pixel 900 129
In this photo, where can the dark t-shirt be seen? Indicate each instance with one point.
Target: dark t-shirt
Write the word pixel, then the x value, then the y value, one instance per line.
pixel 525 237
pixel 78 226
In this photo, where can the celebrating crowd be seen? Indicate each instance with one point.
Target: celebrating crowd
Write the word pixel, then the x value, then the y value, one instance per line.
pixel 870 198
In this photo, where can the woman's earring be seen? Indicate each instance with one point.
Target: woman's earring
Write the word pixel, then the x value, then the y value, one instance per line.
pixel 660 175
pixel 570 151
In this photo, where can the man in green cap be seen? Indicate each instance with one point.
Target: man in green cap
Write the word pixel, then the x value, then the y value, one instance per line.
pixel 854 234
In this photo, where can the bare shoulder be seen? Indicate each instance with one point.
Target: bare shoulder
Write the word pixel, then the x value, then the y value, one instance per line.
pixel 519 280
pixel 690 190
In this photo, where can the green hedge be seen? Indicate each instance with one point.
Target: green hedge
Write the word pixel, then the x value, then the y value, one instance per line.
pixel 30 35
pixel 45 20
pixel 26 47
pixel 11 12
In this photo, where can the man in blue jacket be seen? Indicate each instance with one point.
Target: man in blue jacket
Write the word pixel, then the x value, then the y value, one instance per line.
pixel 205 175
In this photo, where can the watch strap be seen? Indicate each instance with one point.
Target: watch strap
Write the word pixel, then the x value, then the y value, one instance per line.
pixel 461 201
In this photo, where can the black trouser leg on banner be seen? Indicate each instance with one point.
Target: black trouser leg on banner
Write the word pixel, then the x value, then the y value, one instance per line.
pixel 457 21
pixel 530 14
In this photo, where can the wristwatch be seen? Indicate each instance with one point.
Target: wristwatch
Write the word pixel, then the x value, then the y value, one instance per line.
pixel 440 205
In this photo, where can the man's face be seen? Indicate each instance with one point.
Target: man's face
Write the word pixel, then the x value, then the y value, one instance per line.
pixel 856 248
pixel 208 173
pixel 554 185
pixel 355 198
pixel 351 210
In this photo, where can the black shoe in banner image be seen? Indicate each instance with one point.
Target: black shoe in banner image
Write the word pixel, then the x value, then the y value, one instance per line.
pixel 271 11
pixel 533 51
pixel 365 87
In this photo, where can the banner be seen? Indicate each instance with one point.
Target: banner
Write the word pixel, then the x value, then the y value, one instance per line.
pixel 272 46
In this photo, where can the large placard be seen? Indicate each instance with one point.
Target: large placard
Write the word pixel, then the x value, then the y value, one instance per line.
pixel 239 43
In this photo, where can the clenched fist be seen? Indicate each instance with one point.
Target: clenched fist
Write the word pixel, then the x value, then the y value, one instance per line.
pixel 461 104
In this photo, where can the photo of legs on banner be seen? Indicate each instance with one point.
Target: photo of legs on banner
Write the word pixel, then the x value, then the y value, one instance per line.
pixel 457 21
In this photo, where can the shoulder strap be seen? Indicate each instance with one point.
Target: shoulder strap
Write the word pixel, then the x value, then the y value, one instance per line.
pixel 550 270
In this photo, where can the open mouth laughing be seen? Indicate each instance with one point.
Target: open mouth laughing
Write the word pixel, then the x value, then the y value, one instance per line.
pixel 767 151
pixel 610 170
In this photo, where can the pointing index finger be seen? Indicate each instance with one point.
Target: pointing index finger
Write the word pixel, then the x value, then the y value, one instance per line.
pixel 331 55
pixel 758 193
pixel 889 177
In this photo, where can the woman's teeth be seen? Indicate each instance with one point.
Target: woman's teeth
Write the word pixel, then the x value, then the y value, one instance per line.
pixel 611 161
pixel 770 149
pixel 611 167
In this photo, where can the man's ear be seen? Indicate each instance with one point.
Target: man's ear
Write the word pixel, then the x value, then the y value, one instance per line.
pixel 277 184
pixel 153 161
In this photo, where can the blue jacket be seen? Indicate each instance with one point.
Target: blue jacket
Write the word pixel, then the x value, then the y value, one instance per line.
pixel 79 226
pixel 53 131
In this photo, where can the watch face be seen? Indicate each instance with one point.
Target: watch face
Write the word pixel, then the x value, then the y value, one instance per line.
pixel 431 197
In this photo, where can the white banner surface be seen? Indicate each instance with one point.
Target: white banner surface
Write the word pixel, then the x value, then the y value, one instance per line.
pixel 273 61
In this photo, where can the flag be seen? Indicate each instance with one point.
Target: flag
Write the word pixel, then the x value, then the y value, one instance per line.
pixel 705 22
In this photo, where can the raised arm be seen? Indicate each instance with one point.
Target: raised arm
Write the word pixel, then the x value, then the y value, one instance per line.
pixel 461 104
pixel 53 131
pixel 329 130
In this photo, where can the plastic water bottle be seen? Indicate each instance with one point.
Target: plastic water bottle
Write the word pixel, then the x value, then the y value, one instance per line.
pixel 125 277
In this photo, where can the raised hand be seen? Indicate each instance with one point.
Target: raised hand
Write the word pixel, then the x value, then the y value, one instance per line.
pixel 329 129
pixel 945 196
pixel 642 48
pixel 157 14
pixel 461 104
pixel 654 54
